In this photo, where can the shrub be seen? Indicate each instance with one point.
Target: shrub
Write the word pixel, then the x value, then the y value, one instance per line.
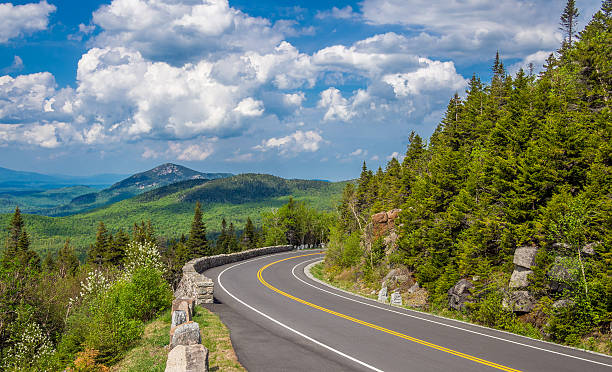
pixel 29 345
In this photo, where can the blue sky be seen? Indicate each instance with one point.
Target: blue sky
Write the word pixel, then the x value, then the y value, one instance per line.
pixel 299 89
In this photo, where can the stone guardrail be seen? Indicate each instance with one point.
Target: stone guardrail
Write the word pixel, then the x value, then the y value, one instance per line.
pixel 187 354
pixel 197 286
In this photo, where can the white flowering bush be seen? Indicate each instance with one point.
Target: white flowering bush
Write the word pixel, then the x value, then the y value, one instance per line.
pixel 94 284
pixel 28 346
pixel 142 255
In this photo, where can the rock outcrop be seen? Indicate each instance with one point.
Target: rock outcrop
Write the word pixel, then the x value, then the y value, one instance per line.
pixel 384 222
pixel 519 301
pixel 524 259
pixel 460 294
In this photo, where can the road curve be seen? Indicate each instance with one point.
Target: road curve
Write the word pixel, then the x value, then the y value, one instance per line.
pixel 280 320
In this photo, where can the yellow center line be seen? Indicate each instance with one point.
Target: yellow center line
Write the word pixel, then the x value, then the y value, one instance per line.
pixel 374 326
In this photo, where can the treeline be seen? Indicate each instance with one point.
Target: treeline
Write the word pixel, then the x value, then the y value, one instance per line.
pixel 57 313
pixel 524 160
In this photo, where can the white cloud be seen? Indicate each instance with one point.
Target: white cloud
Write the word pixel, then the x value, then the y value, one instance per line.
pixel 156 100
pixel 298 141
pixel 339 108
pixel 24 96
pixel 182 31
pixel 338 13
pixel 432 76
pixel 396 155
pixel 294 99
pixel 193 152
pixel 359 152
pixel 467 28
pixel 17 65
pixel 537 59
pixel 18 20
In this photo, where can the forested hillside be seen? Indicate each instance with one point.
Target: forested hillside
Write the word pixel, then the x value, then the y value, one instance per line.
pixel 524 161
pixel 170 209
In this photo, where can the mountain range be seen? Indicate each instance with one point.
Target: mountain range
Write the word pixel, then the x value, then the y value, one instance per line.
pixel 166 195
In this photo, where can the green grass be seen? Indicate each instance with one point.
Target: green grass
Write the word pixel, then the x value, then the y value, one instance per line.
pixel 151 353
pixel 170 215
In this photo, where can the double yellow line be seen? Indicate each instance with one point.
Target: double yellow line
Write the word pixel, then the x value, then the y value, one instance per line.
pixel 374 326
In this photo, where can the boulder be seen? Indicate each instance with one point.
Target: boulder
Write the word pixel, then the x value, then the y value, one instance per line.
pixel 519 302
pixel 185 334
pixel 178 317
pixel 460 294
pixel 415 287
pixel 559 304
pixel 396 298
pixel 390 275
pixel 589 249
pixel 188 358
pixel 525 256
pixel 519 277
pixel 380 218
pixel 563 272
pixel 382 294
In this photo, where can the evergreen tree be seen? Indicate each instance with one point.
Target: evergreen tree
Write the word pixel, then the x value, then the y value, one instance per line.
pixel 569 19
pixel 197 245
pixel 67 262
pixel 99 251
pixel 249 238
pixel 232 241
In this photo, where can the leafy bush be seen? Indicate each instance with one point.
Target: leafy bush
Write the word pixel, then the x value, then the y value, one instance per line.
pixel 29 345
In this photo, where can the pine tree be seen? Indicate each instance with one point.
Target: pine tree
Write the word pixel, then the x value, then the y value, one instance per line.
pixel 99 251
pixel 67 262
pixel 197 244
pixel 16 227
pixel 569 19
pixel 232 241
pixel 249 238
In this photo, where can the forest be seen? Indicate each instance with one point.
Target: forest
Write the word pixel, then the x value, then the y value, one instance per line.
pixel 57 313
pixel 524 161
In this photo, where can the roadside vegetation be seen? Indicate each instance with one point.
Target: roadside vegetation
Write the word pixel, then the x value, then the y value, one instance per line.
pixel 523 162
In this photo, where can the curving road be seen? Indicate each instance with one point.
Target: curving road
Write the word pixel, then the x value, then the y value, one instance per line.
pixel 280 320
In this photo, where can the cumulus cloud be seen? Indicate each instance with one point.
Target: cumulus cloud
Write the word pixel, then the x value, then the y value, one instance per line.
pixel 148 99
pixel 19 20
pixel 535 60
pixel 298 141
pixel 182 31
pixel 338 13
pixel 431 76
pixel 197 150
pixel 465 27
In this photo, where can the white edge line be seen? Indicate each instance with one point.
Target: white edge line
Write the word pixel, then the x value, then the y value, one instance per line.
pixel 309 275
pixel 286 326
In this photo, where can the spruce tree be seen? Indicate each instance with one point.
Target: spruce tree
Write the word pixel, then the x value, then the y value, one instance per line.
pixel 569 19
pixel 99 251
pixel 249 238
pixel 197 243
pixel 67 262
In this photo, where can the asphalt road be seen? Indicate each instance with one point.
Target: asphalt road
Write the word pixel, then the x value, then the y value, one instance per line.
pixel 280 320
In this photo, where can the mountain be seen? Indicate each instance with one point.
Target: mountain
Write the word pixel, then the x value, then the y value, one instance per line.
pixel 170 208
pixel 136 184
pixel 12 180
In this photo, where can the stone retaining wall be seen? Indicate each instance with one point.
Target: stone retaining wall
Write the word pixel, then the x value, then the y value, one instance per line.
pixel 197 286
